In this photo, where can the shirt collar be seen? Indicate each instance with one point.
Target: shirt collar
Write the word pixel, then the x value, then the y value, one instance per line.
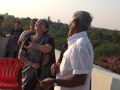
pixel 73 38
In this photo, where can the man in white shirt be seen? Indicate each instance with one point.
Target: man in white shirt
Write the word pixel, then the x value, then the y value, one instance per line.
pixel 76 66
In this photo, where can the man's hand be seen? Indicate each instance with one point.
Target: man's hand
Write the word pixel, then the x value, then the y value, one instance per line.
pixel 47 83
pixel 55 68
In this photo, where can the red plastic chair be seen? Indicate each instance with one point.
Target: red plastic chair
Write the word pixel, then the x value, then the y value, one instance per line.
pixel 10 74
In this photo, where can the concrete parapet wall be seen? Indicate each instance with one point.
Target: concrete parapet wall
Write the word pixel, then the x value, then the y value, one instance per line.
pixel 103 79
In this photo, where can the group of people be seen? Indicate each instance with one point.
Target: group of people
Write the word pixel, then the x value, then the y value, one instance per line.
pixel 37 51
pixel 12 46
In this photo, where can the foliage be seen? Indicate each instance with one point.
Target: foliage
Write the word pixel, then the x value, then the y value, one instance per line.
pixel 107 49
pixel 8 24
pixel 10 21
pixel 25 23
pixel 105 42
pixel 111 63
pixel 59 31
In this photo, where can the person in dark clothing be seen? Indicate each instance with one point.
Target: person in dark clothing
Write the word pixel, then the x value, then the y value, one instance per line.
pixel 12 46
pixel 55 66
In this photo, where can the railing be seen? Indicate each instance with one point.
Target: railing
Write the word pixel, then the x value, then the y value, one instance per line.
pixel 102 79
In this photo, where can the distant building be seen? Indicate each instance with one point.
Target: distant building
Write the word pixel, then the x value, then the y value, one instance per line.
pixel 6 15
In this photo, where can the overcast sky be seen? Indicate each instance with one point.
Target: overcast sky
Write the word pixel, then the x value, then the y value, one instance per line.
pixel 106 13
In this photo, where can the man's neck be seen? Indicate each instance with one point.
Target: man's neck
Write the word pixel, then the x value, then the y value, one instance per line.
pixel 78 30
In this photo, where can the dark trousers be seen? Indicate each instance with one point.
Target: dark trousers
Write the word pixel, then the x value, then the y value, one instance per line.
pixel 12 54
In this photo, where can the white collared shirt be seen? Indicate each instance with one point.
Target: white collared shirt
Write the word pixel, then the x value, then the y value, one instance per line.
pixel 78 59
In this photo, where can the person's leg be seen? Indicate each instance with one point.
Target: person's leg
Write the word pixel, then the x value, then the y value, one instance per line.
pixel 11 54
pixel 15 54
pixel 7 54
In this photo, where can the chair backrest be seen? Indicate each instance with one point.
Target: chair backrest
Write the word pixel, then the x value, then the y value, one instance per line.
pixel 9 68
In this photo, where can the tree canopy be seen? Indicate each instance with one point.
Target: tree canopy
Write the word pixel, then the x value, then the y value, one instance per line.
pixel 106 42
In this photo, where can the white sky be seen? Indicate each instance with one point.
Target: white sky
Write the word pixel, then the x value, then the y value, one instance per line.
pixel 106 13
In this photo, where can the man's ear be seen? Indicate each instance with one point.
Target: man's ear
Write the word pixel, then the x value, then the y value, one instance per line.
pixel 75 22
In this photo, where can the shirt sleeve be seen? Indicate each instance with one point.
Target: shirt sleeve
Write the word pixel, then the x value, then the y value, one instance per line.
pixel 79 61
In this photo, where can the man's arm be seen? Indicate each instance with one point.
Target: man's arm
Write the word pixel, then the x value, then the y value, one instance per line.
pixel 73 81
